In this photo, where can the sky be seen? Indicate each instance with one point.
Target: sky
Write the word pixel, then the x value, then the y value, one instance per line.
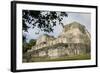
pixel 82 18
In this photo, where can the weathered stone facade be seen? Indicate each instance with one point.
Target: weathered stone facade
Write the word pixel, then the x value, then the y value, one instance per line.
pixel 71 42
pixel 61 50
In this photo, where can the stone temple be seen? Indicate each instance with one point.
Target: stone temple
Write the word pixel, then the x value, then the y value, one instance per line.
pixel 74 40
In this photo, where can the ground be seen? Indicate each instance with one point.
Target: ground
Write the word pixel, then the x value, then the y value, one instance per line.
pixel 64 58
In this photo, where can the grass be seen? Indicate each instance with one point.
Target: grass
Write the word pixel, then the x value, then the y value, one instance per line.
pixel 64 58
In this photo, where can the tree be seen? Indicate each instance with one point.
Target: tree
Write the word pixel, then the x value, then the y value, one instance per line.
pixel 32 42
pixel 28 46
pixel 44 20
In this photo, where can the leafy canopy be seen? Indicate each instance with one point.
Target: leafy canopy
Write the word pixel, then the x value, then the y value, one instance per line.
pixel 44 20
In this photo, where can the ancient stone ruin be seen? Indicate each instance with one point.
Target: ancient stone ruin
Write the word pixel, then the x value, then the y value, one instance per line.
pixel 74 40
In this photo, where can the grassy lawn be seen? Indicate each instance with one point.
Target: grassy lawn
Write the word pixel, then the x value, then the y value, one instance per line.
pixel 64 58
